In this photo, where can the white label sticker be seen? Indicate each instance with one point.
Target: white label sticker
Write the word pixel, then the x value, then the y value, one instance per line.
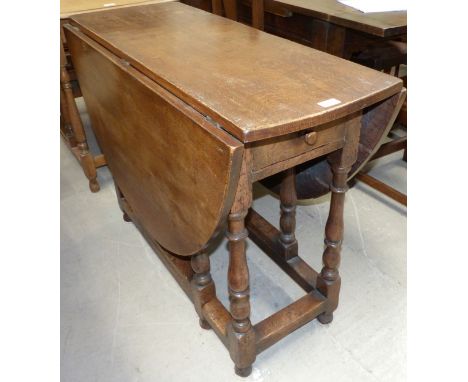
pixel 109 4
pixel 329 102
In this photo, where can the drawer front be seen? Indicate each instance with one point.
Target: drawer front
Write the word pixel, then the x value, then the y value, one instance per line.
pixel 272 151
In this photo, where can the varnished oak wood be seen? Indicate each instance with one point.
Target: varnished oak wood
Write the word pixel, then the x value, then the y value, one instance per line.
pixel 334 28
pixel 267 237
pixel 217 317
pixel 382 24
pixel 241 335
pixel 390 148
pixel 271 330
pixel 254 84
pixel 329 281
pixel 203 288
pixel 288 200
pixel 181 200
pixel 179 267
pixel 313 177
pixel 182 174
pixel 327 25
pixel 274 150
pixel 257 14
pixel 383 188
pixel 99 160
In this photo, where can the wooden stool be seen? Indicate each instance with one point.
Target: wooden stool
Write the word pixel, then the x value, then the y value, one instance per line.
pixel 188 124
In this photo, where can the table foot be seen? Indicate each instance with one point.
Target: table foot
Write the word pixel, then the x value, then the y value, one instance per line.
pixel 325 318
pixel 204 324
pixel 243 371
pixel 94 185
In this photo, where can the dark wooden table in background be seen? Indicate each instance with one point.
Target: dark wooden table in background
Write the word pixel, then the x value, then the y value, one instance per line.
pixel 327 25
pixel 336 25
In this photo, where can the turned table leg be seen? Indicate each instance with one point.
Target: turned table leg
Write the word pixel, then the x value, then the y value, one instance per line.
pixel 65 120
pixel 230 9
pixel 241 336
pixel 122 203
pixel 329 280
pixel 258 14
pixel 288 200
pixel 86 159
pixel 203 287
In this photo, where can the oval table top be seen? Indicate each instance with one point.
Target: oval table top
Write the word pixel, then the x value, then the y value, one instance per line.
pixel 255 85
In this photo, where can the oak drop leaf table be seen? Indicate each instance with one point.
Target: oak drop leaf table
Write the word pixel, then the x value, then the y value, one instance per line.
pixel 190 109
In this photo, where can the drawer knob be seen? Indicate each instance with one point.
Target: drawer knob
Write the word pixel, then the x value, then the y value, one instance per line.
pixel 311 137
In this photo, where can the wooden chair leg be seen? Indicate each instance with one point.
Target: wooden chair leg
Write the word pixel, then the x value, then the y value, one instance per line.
pixel 288 200
pixel 203 288
pixel 86 159
pixel 122 203
pixel 65 124
pixel 241 336
pixel 329 280
pixel 258 14
pixel 230 9
pixel 217 7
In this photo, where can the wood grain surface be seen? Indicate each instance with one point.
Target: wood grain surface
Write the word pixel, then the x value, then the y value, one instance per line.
pixel 383 24
pixel 254 84
pixel 177 171
pixel 313 178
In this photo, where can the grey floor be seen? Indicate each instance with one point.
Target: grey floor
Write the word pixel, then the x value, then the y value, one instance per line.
pixel 123 318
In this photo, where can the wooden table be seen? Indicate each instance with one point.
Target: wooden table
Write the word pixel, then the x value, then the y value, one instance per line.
pixel 336 24
pixel 190 109
pixel 381 24
pixel 71 126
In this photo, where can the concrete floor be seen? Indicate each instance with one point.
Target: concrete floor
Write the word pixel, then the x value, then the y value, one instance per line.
pixel 123 317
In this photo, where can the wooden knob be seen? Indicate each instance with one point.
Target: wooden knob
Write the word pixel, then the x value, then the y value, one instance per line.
pixel 311 137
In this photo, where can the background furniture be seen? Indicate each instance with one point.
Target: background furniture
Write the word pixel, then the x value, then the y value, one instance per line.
pixel 188 124
pixel 327 25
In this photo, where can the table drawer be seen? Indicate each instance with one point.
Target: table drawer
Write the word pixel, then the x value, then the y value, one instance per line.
pixel 272 151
